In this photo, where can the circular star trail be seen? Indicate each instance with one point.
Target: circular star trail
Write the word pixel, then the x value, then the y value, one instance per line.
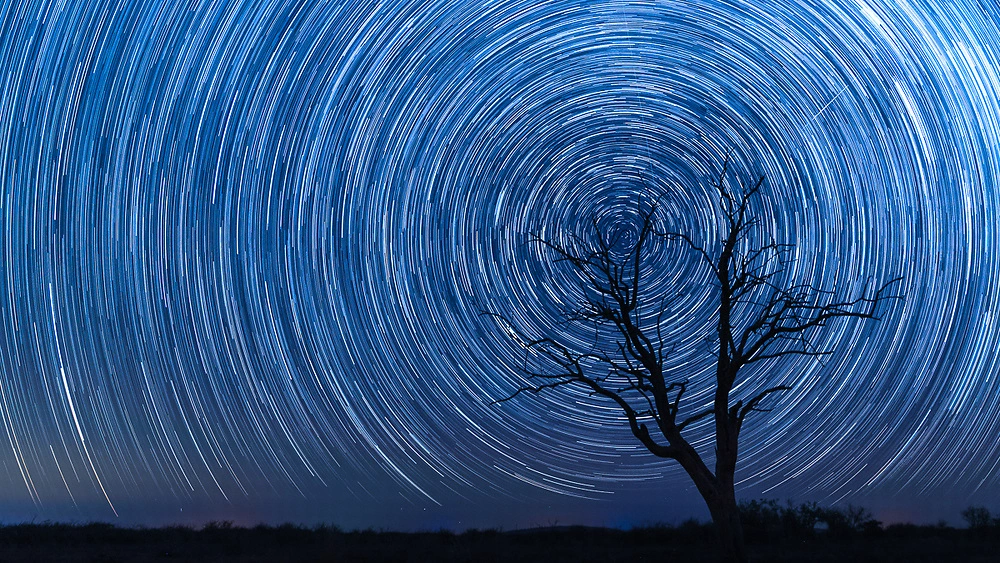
pixel 245 246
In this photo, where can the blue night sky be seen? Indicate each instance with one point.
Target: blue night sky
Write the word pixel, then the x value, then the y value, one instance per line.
pixel 244 247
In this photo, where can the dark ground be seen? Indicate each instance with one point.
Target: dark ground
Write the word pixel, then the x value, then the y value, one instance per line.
pixel 691 542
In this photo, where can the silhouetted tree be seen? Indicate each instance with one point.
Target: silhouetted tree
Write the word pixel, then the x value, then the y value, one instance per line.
pixel 757 317
pixel 979 518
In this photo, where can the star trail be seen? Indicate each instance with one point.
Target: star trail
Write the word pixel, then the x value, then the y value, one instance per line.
pixel 245 247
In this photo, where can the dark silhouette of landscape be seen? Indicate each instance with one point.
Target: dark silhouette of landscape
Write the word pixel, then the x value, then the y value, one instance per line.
pixel 774 532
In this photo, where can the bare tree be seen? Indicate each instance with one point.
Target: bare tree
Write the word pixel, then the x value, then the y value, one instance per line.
pixel 758 317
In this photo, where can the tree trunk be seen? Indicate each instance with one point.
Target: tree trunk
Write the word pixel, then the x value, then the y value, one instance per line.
pixel 719 490
pixel 719 493
pixel 726 517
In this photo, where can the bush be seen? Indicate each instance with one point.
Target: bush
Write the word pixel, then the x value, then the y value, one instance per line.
pixel 766 520
pixel 979 518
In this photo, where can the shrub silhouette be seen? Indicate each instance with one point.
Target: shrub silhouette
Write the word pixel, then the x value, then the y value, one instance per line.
pixel 979 518
pixel 767 520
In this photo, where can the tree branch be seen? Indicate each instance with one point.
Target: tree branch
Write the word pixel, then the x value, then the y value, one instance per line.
pixel 751 405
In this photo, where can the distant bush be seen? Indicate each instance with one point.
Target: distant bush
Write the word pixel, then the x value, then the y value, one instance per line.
pixel 850 520
pixel 978 518
pixel 767 520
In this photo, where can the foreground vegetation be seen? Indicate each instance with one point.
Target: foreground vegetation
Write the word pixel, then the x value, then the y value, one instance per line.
pixel 775 533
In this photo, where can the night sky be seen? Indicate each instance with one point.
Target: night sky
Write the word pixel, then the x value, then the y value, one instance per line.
pixel 245 247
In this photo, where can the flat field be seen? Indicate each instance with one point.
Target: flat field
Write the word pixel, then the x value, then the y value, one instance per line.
pixel 221 542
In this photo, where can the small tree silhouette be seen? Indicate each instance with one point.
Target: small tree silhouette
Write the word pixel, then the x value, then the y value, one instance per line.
pixel 757 318
pixel 979 518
